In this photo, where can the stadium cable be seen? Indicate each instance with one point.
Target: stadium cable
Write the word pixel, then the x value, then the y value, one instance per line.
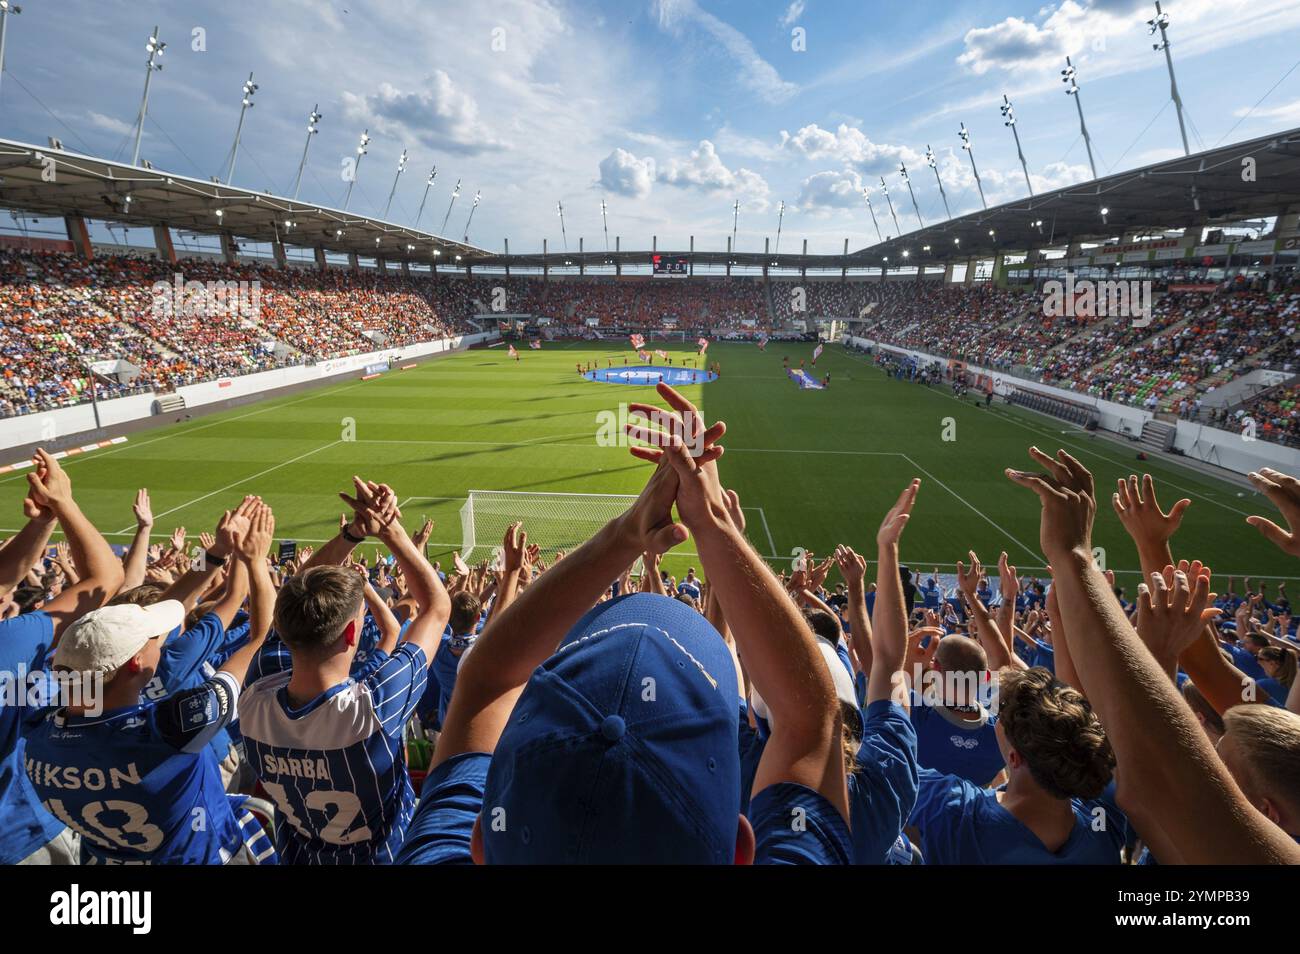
pixel 1258 101
pixel 1159 113
pixel 1196 131
pixel 275 188
pixel 197 171
pixel 23 87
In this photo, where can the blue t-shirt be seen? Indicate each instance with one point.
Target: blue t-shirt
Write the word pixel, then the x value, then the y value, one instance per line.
pixel 446 663
pixel 1244 660
pixel 451 799
pixel 950 745
pixel 689 588
pixel 336 767
pixel 140 784
pixel 1277 692
pixel 24 824
pixel 883 789
pixel 963 824
pixel 1044 656
pixel 794 825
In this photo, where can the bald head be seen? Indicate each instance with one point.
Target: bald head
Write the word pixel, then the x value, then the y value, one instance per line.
pixel 960 654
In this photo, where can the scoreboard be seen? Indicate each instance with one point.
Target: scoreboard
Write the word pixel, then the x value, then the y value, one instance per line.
pixel 670 266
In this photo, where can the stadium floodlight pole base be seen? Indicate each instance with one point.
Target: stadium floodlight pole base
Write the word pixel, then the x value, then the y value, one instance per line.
pixel 554 521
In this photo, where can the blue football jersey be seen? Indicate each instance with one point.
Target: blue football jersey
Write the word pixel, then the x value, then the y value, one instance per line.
pixel 140 784
pixel 336 767
pixel 25 645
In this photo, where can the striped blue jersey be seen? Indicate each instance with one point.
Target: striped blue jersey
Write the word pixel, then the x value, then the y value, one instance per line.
pixel 336 767
pixel 140 784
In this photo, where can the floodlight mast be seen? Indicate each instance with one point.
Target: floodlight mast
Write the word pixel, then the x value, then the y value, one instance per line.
pixel 401 164
pixel 1009 120
pixel 1072 89
pixel 454 193
pixel 477 194
pixel 356 169
pixel 6 8
pixel 433 175
pixel 604 221
pixel 964 133
pixel 1159 22
pixel 866 194
pixel 735 219
pixel 885 189
pixel 934 164
pixel 559 207
pixel 312 120
pixel 246 103
pixel 154 48
pixel 902 170
pixel 780 214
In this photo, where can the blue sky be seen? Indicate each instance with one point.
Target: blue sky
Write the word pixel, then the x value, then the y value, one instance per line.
pixel 670 110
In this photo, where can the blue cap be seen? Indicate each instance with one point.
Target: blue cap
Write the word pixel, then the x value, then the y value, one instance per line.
pixel 623 747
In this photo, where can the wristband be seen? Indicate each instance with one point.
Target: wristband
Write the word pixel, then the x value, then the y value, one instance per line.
pixel 212 559
pixel 350 538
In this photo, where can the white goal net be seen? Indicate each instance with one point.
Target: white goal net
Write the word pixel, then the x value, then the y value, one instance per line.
pixel 553 521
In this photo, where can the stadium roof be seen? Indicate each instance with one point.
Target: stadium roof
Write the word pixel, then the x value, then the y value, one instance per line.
pixel 1203 189
pixel 100 189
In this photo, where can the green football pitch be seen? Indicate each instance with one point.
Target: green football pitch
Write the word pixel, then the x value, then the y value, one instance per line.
pixel 813 468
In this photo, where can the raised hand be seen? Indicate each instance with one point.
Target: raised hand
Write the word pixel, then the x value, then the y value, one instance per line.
pixel 1173 609
pixel 142 509
pixel 178 539
pixel 852 567
pixel 817 574
pixel 459 565
pixel 234 526
pixel 969 579
pixel 891 528
pixel 255 543
pixel 1008 579
pixel 1284 491
pixel 50 485
pixel 373 508
pixel 206 540
pixel 1069 503
pixel 423 534
pixel 514 548
pixel 1140 513
pixel 683 423
pixel 648 524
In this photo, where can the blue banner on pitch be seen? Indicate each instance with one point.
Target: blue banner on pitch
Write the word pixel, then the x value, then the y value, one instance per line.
pixel 644 375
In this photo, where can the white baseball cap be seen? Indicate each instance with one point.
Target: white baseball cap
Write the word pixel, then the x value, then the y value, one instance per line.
pixel 104 639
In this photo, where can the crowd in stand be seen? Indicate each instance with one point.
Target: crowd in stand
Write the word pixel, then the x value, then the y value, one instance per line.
pixel 58 314
pixel 330 707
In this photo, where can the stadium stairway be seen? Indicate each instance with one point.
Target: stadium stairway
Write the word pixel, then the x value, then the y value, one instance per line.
pixel 1158 435
pixel 1287 347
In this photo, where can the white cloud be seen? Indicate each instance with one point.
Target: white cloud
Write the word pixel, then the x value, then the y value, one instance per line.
pixel 625 174
pixel 108 123
pixel 849 145
pixel 441 115
pixel 1287 114
pixel 756 73
pixel 825 191
pixel 705 171
pixel 793 13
